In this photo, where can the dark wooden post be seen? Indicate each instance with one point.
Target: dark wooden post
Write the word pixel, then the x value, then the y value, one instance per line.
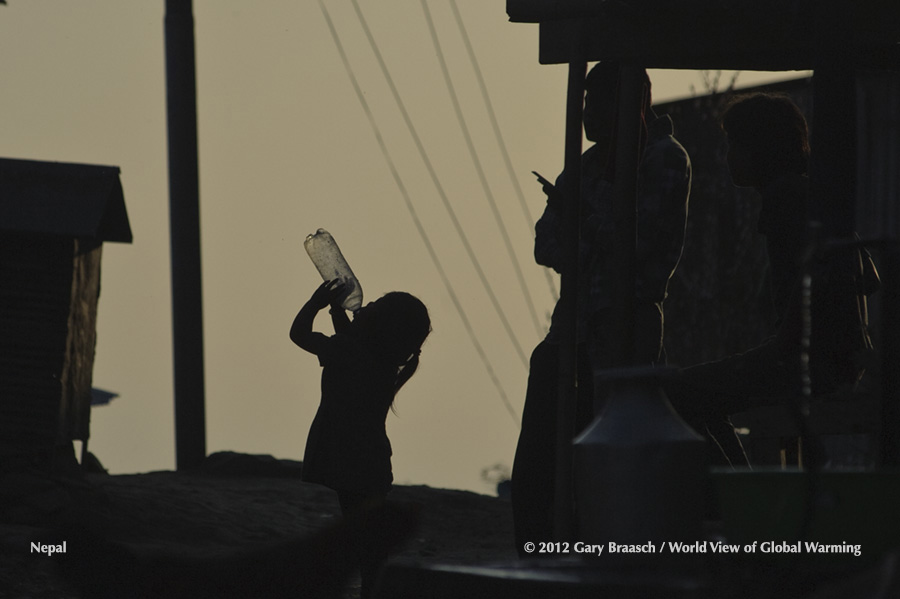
pixel 833 140
pixel 184 228
pixel 889 435
pixel 563 524
pixel 625 211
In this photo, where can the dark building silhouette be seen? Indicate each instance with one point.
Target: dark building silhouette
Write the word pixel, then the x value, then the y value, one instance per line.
pixel 54 218
pixel 714 307
pixel 716 304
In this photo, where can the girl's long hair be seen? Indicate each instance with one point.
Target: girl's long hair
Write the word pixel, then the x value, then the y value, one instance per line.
pixel 394 327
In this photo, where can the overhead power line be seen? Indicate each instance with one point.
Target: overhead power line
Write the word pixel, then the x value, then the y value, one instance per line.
pixel 523 204
pixel 416 221
pixel 476 162
pixel 440 189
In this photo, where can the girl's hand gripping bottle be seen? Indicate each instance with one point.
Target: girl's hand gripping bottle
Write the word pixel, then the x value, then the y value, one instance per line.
pixel 326 255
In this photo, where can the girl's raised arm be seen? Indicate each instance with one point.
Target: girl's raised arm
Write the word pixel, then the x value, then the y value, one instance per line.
pixel 301 330
pixel 339 318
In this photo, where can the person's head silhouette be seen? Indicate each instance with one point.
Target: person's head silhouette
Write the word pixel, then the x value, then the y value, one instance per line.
pixel 600 87
pixel 767 139
pixel 395 325
pixel 601 102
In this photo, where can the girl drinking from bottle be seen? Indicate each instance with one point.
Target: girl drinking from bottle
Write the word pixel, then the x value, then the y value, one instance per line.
pixel 364 364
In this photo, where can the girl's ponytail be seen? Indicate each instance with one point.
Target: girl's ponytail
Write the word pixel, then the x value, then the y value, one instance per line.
pixel 406 370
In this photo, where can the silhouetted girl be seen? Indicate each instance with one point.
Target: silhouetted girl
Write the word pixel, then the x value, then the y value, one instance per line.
pixel 364 364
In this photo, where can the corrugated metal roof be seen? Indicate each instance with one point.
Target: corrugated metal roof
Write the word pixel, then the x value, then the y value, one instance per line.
pixel 58 198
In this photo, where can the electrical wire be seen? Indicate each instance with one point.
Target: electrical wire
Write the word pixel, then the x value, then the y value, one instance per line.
pixel 495 125
pixel 476 162
pixel 440 189
pixel 416 221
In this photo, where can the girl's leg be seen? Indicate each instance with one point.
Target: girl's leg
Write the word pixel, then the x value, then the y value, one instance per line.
pixel 365 550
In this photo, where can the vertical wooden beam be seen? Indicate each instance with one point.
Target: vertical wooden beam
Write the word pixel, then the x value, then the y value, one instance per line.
pixel 563 522
pixel 625 212
pixel 78 365
pixel 889 435
pixel 833 141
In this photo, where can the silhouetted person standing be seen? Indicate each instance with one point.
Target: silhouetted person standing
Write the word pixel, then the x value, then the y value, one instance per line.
pixel 663 189
pixel 768 150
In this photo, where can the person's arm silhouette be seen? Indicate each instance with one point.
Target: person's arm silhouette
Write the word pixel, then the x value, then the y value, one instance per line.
pixel 339 318
pixel 301 330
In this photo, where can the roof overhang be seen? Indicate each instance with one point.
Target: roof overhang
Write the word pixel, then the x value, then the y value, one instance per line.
pixel 58 198
pixel 776 35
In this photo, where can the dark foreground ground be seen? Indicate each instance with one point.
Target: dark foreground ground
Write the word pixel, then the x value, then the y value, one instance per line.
pixel 246 526
pixel 236 504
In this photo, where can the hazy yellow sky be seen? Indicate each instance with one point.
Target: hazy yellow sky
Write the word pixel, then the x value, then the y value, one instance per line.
pixel 285 148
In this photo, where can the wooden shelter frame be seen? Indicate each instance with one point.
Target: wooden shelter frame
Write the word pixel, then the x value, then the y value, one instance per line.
pixel 835 39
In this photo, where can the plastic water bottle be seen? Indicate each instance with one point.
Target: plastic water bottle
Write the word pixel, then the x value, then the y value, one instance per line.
pixel 330 262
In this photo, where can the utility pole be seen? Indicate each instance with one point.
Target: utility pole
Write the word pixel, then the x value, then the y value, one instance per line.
pixel 184 231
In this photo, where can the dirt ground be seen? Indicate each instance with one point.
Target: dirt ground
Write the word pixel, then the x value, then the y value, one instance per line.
pixel 240 502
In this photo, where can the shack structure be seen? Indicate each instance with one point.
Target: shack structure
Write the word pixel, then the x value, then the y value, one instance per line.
pixel 54 218
pixel 852 48
pixel 854 51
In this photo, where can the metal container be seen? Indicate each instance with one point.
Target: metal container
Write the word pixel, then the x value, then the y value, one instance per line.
pixel 639 468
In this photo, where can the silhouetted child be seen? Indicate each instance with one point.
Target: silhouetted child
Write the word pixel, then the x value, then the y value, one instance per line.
pixel 364 364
